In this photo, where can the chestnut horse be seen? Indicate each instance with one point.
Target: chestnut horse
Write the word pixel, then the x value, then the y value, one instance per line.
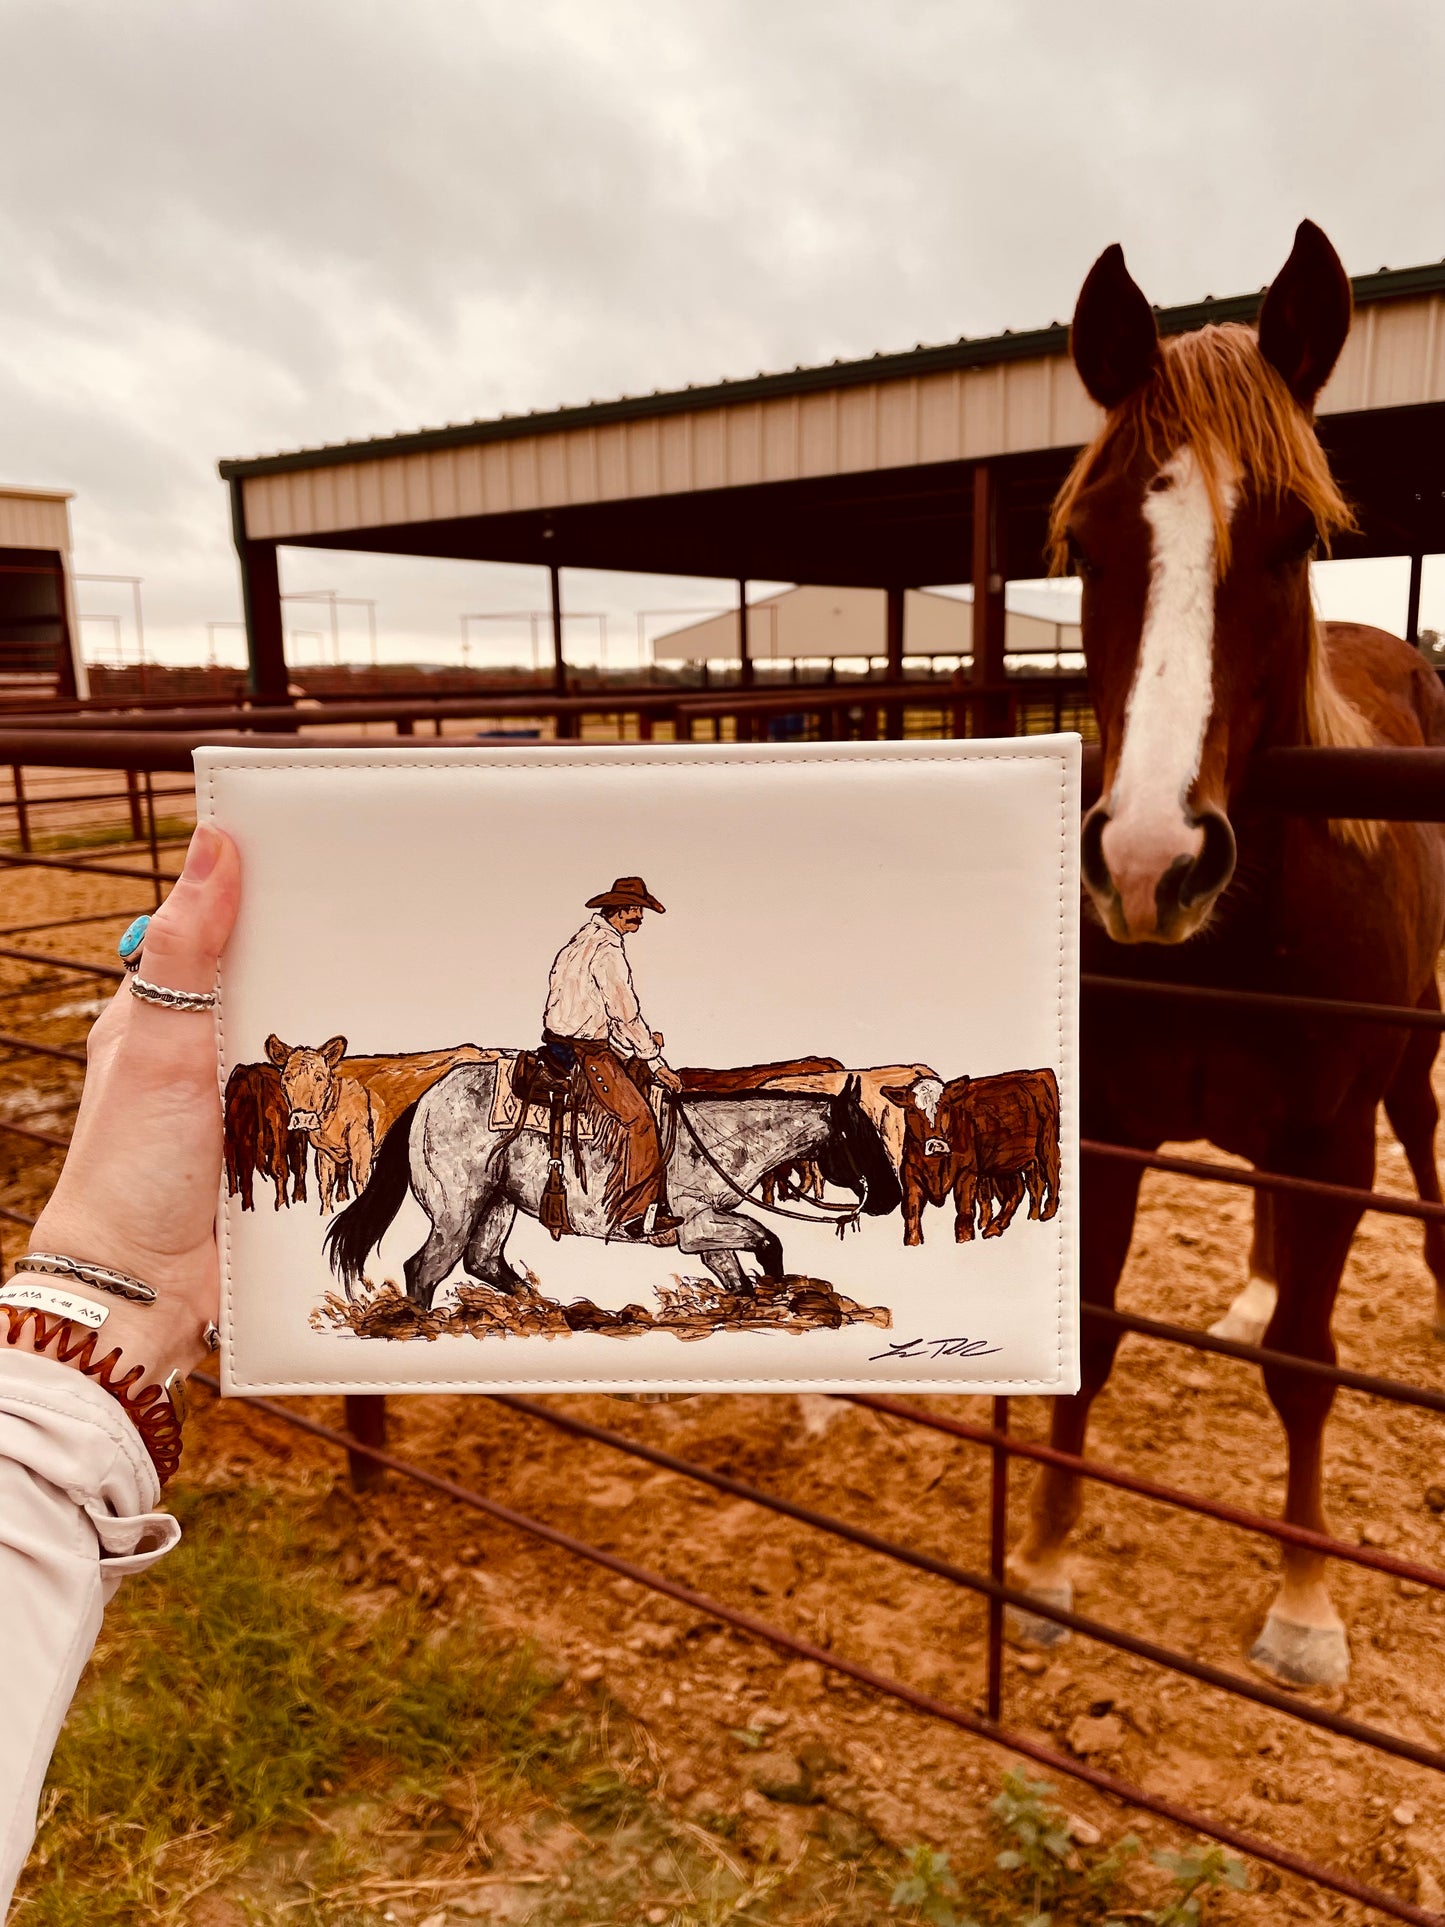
pixel 1191 519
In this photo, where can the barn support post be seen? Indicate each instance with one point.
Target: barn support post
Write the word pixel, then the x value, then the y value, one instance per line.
pixel 566 725
pixel 897 603
pixel 261 607
pixel 1412 599
pixel 990 711
pixel 366 1422
pixel 746 726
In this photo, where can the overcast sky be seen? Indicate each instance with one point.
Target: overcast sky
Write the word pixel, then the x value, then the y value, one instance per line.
pixel 235 226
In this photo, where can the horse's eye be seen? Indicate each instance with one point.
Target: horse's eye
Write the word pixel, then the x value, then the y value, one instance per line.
pixel 1079 560
pixel 1300 547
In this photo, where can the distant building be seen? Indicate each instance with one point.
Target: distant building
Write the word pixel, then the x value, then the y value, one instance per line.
pixel 39 634
pixel 814 624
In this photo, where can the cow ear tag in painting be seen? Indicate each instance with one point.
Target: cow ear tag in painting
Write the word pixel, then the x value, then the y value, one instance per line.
pixel 535 1080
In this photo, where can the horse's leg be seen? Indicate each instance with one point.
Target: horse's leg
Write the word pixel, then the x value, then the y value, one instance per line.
pixel 1303 1641
pixel 447 1190
pixel 485 1254
pixel 1106 1213
pixel 1252 1310
pixel 1413 1112
pixel 717 1236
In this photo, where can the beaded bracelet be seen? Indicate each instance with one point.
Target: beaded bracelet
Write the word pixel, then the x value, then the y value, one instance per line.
pixel 151 1412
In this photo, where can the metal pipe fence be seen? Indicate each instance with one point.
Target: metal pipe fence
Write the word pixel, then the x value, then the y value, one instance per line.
pixel 1390 784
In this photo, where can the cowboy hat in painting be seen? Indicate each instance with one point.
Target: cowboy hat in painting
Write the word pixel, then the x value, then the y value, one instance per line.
pixel 627 893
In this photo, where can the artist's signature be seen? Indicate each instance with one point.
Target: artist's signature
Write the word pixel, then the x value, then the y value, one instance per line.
pixel 936 1348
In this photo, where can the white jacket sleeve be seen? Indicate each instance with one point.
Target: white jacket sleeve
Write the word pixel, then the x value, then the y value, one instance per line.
pixel 77 1492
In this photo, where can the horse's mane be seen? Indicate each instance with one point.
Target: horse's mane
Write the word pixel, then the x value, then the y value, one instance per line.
pixel 1213 391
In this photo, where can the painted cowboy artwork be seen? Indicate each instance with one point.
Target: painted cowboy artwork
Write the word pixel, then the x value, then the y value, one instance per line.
pixel 594 1026
pixel 593 1135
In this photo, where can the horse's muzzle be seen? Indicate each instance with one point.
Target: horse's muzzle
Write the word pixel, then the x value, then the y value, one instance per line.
pixel 1144 887
pixel 304 1121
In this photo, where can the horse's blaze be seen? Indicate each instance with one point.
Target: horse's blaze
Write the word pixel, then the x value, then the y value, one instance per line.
pixel 1149 836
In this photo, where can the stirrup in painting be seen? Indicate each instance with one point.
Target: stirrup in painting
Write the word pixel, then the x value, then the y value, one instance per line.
pixel 653 1223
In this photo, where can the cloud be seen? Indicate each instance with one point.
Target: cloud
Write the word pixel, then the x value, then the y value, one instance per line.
pixel 245 225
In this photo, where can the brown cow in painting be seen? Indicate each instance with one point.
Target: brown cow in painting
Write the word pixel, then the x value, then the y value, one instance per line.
pixel 396 1082
pixel 258 1139
pixel 752 1077
pixel 335 1113
pixel 988 1140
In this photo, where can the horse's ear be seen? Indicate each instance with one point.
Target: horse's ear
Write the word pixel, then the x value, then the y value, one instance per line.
pixel 276 1050
pixel 332 1051
pixel 1306 315
pixel 1113 340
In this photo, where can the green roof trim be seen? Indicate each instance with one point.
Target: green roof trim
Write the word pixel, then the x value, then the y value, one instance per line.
pixel 1390 284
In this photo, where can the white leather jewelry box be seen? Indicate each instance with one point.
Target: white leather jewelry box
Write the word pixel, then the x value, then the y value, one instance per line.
pixel 861 963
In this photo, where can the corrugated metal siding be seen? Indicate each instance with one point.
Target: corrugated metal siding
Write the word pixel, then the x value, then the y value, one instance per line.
pixel 1395 357
pixel 34 522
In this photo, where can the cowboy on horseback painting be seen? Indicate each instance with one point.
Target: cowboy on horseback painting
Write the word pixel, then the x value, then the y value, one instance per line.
pixel 593 1023
pixel 544 1175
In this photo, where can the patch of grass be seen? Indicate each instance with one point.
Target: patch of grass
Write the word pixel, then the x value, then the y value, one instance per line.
pixel 1044 1875
pixel 235 1692
pixel 57 842
pixel 255 1742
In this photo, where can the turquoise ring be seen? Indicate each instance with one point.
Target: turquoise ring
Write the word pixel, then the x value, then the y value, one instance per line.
pixel 128 949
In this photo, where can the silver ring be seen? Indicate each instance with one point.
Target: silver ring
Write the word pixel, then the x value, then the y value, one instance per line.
pixel 172 999
pixel 212 1336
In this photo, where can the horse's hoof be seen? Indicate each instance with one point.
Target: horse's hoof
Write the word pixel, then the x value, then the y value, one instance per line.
pixel 1248 1317
pixel 1029 1629
pixel 1296 1655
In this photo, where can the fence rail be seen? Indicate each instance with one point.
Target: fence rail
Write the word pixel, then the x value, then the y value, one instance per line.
pixel 1382 784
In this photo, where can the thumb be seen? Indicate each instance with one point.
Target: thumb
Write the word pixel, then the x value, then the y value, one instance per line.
pixel 186 936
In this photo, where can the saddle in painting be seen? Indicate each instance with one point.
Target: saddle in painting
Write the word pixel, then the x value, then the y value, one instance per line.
pixel 651 1068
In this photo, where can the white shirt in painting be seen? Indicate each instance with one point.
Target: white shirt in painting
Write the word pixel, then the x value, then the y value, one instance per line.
pixel 590 993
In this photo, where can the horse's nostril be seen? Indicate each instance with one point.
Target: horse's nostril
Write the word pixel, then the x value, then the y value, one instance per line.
pixel 1214 865
pixel 1091 851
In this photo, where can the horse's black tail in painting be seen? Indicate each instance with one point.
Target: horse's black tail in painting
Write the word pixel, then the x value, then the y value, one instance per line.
pixel 359 1229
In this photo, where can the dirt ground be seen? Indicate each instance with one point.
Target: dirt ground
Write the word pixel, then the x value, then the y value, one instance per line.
pixel 1199 1422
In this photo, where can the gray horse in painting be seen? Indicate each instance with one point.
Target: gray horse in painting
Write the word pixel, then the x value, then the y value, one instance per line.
pixel 472 1177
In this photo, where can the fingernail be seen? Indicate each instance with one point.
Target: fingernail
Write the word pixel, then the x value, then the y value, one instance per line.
pixel 202 855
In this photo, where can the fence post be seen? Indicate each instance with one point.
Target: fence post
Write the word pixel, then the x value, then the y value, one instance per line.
pixel 152 839
pixel 22 813
pixel 997 1550
pixel 132 791
pixel 366 1422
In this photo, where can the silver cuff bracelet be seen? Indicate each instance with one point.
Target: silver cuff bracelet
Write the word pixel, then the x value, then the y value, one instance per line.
pixel 103 1277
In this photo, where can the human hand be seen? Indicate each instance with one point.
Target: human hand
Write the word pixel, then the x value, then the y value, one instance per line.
pixel 140 1182
pixel 666 1076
